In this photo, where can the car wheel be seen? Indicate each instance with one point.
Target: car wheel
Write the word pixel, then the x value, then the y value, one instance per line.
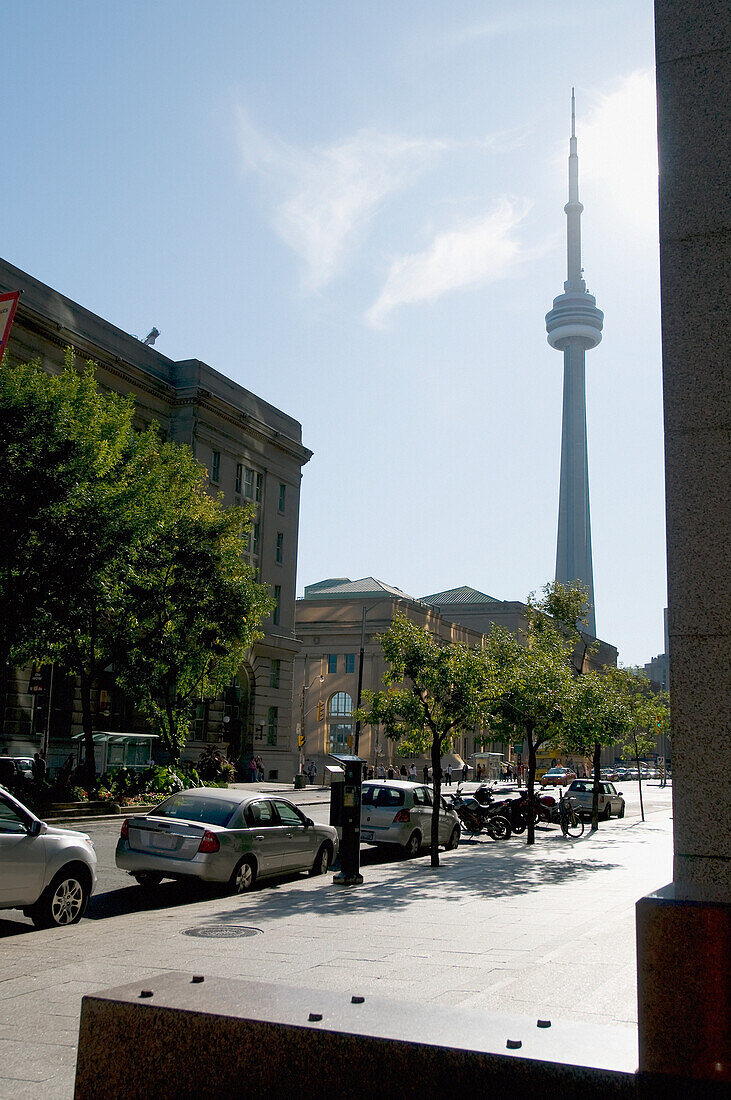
pixel 607 812
pixel 64 901
pixel 322 861
pixel 244 877
pixel 453 840
pixel 621 811
pixel 148 880
pixel 412 846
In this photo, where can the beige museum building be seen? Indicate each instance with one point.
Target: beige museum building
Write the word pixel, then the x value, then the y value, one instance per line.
pixel 254 454
pixel 331 620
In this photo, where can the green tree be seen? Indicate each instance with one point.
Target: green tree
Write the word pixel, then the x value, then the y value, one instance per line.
pixel 596 718
pixel 433 693
pixel 536 689
pixel 192 606
pixel 62 444
pixel 645 715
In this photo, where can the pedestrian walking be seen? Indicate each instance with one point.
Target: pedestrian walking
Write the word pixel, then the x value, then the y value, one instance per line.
pixel 464 774
pixel 253 770
pixel 448 774
pixel 312 772
pixel 402 771
pixel 412 772
pixel 426 773
pixel 390 771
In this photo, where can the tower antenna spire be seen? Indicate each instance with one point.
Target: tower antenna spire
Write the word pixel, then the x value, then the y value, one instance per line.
pixel 574 326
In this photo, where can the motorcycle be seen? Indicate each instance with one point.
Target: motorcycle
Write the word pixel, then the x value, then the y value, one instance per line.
pixel 476 817
pixel 516 809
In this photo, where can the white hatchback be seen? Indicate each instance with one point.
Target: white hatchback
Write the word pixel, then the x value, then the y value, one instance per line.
pixel 399 813
pixel 47 872
pixel 581 793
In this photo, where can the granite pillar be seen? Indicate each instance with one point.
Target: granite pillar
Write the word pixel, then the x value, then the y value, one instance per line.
pixel 683 930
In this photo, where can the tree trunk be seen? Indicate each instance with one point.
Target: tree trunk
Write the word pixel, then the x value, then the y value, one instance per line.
pixel 87 725
pixel 595 789
pixel 639 776
pixel 436 764
pixel 531 830
pixel 173 748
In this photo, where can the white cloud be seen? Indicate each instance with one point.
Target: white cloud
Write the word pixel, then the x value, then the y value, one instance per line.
pixel 618 148
pixel 481 250
pixel 327 196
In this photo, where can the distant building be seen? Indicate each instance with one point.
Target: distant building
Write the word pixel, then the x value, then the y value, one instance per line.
pixel 254 454
pixel 658 668
pixel 330 625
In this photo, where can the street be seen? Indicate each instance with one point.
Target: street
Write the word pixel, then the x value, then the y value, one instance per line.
pixel 499 927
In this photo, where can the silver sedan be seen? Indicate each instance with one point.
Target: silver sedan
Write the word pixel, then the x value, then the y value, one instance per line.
pixel 223 836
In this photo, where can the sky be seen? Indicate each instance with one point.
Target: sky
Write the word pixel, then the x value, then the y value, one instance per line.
pixel 355 210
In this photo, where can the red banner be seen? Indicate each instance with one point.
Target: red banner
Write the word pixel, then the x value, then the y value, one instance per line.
pixel 8 306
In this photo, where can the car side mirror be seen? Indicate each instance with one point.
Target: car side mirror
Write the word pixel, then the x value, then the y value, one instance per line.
pixel 309 822
pixel 36 828
pixel 619 792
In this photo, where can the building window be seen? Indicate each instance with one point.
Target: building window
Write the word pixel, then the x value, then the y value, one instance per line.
pixel 340 736
pixel 350 662
pixel 282 496
pixel 274 672
pixel 272 725
pixel 239 476
pixel 259 484
pixel 278 598
pixel 255 546
pixel 332 663
pixel 249 483
pixel 279 552
pixel 215 465
pixel 340 705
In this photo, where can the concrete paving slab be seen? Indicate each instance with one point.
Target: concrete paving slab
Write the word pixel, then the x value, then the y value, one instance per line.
pixel 498 927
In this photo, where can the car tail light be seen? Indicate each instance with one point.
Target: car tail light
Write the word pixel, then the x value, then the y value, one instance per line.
pixel 401 817
pixel 124 832
pixel 209 842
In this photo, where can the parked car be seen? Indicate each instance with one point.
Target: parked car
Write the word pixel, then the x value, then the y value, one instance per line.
pixel 223 836
pixel 557 777
pixel 11 770
pixel 400 813
pixel 611 801
pixel 47 872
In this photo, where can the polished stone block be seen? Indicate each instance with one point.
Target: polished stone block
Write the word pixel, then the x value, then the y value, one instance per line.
pixel 683 988
pixel 226 1038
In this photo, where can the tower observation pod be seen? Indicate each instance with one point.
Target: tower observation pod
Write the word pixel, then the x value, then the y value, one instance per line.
pixel 574 325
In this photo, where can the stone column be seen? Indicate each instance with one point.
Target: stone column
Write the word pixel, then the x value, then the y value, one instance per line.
pixel 684 946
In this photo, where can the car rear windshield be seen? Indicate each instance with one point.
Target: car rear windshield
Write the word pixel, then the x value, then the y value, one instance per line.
pixel 196 807
pixel 382 796
pixel 577 785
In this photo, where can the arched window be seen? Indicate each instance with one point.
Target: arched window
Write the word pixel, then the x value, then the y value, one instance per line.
pixel 340 724
pixel 340 705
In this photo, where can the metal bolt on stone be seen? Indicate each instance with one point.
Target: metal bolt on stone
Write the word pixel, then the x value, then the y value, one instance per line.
pixel 357 1000
pixel 197 978
pixel 145 993
pixel 543 1023
pixel 314 1017
pixel 514 1044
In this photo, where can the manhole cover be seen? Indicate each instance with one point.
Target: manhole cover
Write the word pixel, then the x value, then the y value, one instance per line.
pixel 222 931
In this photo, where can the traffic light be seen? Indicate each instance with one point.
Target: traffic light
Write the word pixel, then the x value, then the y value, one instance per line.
pixel 320 711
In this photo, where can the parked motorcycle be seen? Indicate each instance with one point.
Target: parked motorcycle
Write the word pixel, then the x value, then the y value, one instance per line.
pixel 476 817
pixel 516 807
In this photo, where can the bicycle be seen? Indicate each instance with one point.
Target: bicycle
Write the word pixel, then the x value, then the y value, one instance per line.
pixel 570 820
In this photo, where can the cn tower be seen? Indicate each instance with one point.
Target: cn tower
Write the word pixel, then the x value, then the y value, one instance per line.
pixel 574 325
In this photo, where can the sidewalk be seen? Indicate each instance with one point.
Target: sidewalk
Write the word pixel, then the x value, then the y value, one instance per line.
pixel 545 931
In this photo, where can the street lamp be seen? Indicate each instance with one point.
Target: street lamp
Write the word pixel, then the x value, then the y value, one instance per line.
pixel 302 737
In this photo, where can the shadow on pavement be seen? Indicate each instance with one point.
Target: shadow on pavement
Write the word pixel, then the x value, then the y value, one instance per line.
pixel 481 866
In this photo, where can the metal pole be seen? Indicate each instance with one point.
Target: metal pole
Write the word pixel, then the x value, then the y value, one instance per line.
pixel 360 681
pixel 302 726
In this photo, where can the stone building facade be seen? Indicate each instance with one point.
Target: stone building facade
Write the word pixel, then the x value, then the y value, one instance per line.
pixel 254 454
pixel 330 625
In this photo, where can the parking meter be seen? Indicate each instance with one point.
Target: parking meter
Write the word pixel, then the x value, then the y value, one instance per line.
pixel 350 820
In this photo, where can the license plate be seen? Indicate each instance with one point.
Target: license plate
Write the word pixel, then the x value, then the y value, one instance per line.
pixel 366 834
pixel 161 840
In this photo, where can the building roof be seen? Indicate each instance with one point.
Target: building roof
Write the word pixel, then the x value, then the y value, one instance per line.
pixel 463 595
pixel 342 588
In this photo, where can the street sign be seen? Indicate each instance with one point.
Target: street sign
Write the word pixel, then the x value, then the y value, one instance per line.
pixel 8 306
pixel 301 741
